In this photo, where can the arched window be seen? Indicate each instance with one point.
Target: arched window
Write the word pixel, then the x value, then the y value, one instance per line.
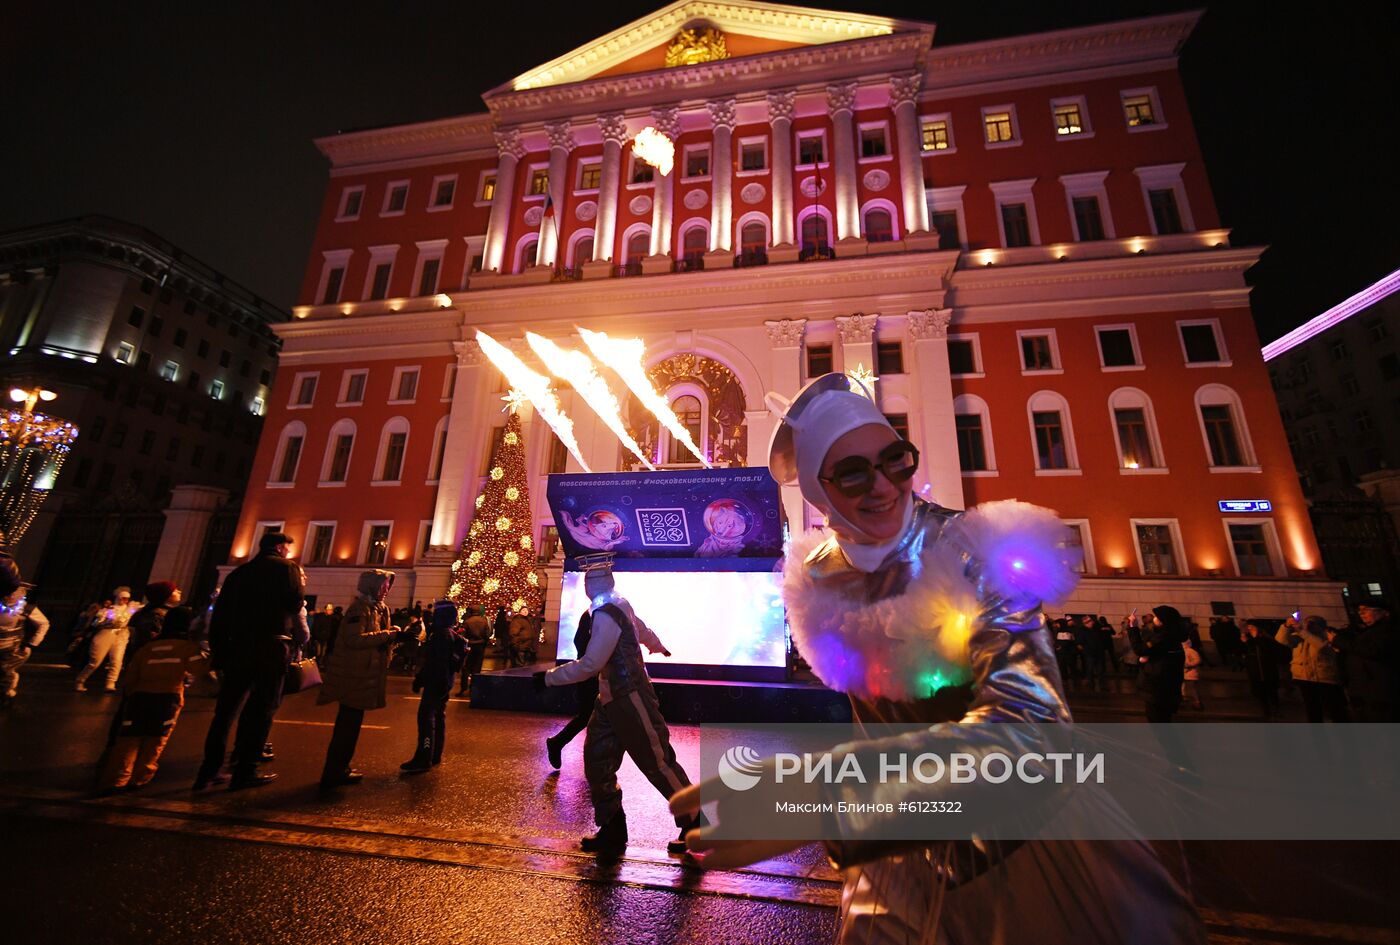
pixel 287 459
pixel 636 248
pixel 1052 435
pixel 1135 431
pixel 1223 427
pixel 753 241
pixel 691 414
pixel 335 466
pixel 528 254
pixel 439 451
pixel 976 452
pixel 393 448
pixel 694 241
pixel 580 249
pixel 879 227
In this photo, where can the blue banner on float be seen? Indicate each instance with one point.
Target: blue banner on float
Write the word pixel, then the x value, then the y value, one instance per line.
pixel 685 520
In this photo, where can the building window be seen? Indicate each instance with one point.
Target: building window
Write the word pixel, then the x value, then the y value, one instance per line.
pixel 1038 352
pixel 1165 217
pixel 137 316
pixel 819 360
pixel 1087 221
pixel 319 547
pixel 305 390
pixel 753 241
pixel 156 327
pixel 444 190
pixel 753 156
pixel 688 411
pixel 1117 347
pixel 539 182
pixel 935 134
pixel 169 371
pixel 873 142
pixel 641 173
pixel 428 278
pixel 392 470
pixel 216 390
pixel 181 336
pixel 340 457
pixel 354 390
pixel 694 242
pixel 351 200
pixel 999 126
pixel 816 239
pixel 972 447
pixel 1050 449
pixel 889 357
pixel 1164 195
pixel 962 357
pixel 879 225
pixel 1251 549
pixel 1015 225
pixel 395 198
pixel 1134 443
pixel 405 384
pixel 1140 108
pixel 291 456
pixel 1377 330
pixel 811 150
pixel 1069 118
pixel 1338 349
pixel 1362 421
pixel 590 175
pixel 945 222
pixel 1157 548
pixel 1224 444
pixel 379 287
pixel 638 248
pixel 439 451
pixel 203 349
pixel 377 543
pixel 258 406
pixel 488 188
pixel 900 423
pixel 126 352
pixel 697 162
pixel 1079 538
pixel 1201 342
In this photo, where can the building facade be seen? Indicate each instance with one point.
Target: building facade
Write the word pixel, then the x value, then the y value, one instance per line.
pixel 1337 379
pixel 1017 237
pixel 163 363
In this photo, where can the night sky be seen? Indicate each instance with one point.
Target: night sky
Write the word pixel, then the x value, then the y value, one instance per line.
pixel 198 124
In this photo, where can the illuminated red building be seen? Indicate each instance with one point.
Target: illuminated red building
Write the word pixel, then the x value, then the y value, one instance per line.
pixel 1016 236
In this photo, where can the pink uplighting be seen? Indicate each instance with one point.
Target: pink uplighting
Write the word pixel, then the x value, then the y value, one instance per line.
pixel 1333 316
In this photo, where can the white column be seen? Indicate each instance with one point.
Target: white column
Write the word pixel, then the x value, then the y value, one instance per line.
pixel 614 130
pixel 182 537
pixel 857 336
pixel 904 93
pixel 511 151
pixel 461 455
pixel 937 436
pixel 722 176
pixel 666 121
pixel 785 338
pixel 840 100
pixel 780 122
pixel 561 142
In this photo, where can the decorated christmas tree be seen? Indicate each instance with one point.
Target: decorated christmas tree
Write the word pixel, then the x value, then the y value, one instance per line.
pixel 495 566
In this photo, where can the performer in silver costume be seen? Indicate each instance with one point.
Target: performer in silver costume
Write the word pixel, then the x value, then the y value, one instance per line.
pixel 878 607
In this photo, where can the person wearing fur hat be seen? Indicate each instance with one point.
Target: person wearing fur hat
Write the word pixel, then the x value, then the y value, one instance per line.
pixel 109 640
pixel 627 719
pixel 153 692
pixel 444 652
pixel 356 673
pixel 933 617
pixel 23 627
pixel 146 624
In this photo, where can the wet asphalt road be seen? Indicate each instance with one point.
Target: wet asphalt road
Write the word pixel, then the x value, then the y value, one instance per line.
pixel 482 849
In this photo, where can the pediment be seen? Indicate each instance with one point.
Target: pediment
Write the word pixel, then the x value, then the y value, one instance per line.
pixel 737 28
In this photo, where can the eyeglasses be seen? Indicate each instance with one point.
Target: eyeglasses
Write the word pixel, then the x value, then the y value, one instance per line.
pixel 855 475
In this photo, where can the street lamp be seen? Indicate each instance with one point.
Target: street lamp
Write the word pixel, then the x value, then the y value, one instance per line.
pixel 32 450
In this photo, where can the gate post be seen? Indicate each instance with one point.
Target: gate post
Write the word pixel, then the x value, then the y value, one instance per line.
pixel 182 539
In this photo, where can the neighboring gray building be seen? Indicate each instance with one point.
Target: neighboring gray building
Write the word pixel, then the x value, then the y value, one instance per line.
pixel 1337 379
pixel 162 362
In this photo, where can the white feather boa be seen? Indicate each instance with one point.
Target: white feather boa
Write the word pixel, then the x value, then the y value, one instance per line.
pixel 910 645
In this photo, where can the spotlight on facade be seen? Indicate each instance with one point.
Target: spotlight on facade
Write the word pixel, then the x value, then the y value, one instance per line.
pixel 655 148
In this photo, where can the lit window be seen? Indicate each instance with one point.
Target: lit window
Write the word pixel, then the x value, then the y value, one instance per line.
pixel 488 188
pixel 216 390
pixel 1068 120
pixel 934 135
pixel 169 371
pixel 377 544
pixel 1133 438
pixel 998 127
pixel 1137 109
pixel 1157 549
pixel 126 352
pixel 539 182
pixel 590 176
pixel 258 406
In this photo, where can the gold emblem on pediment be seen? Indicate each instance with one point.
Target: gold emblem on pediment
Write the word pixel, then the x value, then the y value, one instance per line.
pixel 692 46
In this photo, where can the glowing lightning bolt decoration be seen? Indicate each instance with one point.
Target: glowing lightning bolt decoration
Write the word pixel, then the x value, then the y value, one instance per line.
pixel 535 387
pixel 577 368
pixel 625 357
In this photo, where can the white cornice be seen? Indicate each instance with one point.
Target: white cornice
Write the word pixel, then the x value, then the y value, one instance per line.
pixel 444 138
pixel 1044 54
pixel 763 20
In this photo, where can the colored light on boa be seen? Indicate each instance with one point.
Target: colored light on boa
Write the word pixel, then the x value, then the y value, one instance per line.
pixel 909 645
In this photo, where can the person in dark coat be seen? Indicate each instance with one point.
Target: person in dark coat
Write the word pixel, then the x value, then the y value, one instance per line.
pixel 357 673
pixel 1263 656
pixel 147 622
pixel 1161 658
pixel 255 627
pixel 1371 663
pixel 443 654
pixel 1226 636
pixel 478 631
pixel 1090 643
pixel 500 628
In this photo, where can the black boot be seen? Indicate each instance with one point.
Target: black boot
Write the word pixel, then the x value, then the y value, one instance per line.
pixel 421 760
pixel 555 751
pixel 611 838
pixel 677 846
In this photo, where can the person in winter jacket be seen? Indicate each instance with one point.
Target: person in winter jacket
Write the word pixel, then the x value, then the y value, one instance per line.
pixel 523 636
pixel 153 692
pixel 1371 661
pixel 477 630
pixel 1315 668
pixel 1262 656
pixel 145 626
pixel 1162 658
pixel 109 640
pixel 1189 689
pixel 443 654
pixel 22 628
pixel 356 673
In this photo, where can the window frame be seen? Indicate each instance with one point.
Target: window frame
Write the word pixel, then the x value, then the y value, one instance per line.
pixel 1009 192
pixel 1086 128
pixel 948 200
pixel 439 451
pixel 1041 397
pixel 808 133
pixel 389 188
pixel 428 250
pixel 1132 398
pixel 1220 349
pixel 947 119
pixel 342 397
pixel 341 215
pixel 632 161
pixel 297 379
pixel 696 148
pixel 531 173
pixel 433 205
pixel 1243 440
pixel 331 260
pixel 294 429
pixel 1159 120
pixel 310 542
pixel 1054 351
pixel 976 341
pixel 487 176
pixel 378 256
pixel 392 427
pixel 1272 547
pixel 1088 184
pixel 585 164
pixel 1131 328
pixel 365 532
pixel 767 167
pixel 972 404
pixel 1086 543
pixel 342 427
pixel 883 126
pixel 880 203
pixel 1015 140
pixel 1183 567
pixel 1165 177
pixel 399 372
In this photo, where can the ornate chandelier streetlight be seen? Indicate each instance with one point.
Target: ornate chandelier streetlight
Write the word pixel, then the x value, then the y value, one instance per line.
pixel 32 450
